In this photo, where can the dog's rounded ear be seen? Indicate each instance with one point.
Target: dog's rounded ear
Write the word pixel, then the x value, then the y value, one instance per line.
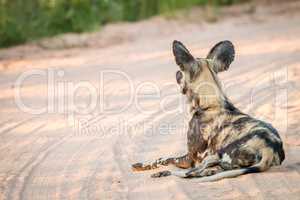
pixel 222 55
pixel 182 55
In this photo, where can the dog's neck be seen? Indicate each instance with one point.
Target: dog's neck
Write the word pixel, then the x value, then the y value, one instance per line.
pixel 205 90
pixel 212 103
pixel 209 109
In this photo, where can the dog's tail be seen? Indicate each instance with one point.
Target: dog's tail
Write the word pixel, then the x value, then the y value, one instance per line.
pixel 263 165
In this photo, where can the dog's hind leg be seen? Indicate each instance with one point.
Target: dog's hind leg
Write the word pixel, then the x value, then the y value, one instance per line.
pixel 181 162
pixel 262 165
pixel 209 161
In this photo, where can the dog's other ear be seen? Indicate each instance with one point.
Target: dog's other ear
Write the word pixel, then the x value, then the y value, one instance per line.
pixel 222 55
pixel 179 77
pixel 183 57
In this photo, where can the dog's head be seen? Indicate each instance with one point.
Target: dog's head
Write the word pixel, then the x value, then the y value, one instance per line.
pixel 199 75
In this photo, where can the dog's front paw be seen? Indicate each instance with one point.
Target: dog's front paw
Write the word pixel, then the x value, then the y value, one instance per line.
pixel 181 174
pixel 137 167
pixel 140 167
pixel 161 174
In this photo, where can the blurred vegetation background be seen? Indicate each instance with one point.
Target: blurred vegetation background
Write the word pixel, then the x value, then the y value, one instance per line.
pixel 25 20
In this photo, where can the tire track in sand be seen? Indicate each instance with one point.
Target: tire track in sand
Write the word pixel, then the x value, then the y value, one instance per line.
pixel 17 183
pixel 121 158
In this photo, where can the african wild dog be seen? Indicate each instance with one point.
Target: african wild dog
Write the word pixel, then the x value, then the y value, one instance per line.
pixel 223 142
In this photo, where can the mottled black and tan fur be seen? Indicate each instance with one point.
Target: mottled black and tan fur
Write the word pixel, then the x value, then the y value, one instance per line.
pixel 223 142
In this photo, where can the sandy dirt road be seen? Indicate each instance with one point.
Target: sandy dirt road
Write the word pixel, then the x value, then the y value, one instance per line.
pixel 64 153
